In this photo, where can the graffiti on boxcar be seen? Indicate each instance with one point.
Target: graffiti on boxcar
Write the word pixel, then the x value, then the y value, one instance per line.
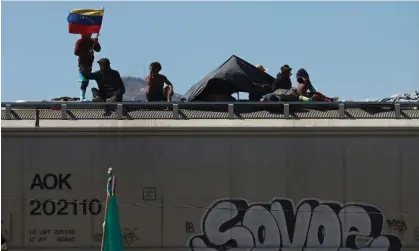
pixel 234 223
pixel 397 226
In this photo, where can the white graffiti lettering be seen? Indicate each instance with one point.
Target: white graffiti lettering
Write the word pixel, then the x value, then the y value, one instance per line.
pixel 236 225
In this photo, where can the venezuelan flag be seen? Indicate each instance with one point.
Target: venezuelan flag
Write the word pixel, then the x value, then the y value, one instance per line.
pixel 85 21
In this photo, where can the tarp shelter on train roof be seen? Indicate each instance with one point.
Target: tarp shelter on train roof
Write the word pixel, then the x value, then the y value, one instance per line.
pixel 234 75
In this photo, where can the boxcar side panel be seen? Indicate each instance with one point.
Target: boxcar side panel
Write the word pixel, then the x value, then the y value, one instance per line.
pixel 217 192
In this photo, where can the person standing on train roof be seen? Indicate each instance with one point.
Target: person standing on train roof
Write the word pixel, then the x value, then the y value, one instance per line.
pixel 156 91
pixel 84 50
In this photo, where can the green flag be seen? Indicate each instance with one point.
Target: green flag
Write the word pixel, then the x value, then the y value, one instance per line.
pixel 112 238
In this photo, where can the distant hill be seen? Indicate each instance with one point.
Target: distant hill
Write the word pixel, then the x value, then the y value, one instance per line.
pixel 135 90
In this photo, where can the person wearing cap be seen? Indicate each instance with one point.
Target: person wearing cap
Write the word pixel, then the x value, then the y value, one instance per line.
pixel 156 91
pixel 109 81
pixel 84 50
pixel 282 86
pixel 260 67
pixel 283 79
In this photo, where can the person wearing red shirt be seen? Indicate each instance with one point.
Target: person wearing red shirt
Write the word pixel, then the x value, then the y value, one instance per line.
pixel 84 50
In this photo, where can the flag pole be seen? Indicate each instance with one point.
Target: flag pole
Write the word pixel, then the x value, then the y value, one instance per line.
pixel 97 34
pixel 104 222
pixel 94 41
pixel 106 212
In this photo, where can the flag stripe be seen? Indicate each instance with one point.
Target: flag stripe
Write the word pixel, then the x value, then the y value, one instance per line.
pixel 83 29
pixel 88 12
pixel 84 20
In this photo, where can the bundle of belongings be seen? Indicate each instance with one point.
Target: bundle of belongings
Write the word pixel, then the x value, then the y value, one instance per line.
pixel 63 99
pixel 404 97
pixel 305 92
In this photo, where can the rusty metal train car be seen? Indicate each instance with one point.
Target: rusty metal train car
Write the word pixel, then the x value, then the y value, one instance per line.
pixel 339 178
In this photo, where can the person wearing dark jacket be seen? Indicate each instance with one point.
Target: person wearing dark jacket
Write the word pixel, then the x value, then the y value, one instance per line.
pixel 109 81
pixel 84 50
pixel 282 86
pixel 283 79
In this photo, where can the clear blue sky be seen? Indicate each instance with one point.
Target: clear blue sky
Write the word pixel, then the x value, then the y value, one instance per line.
pixel 351 49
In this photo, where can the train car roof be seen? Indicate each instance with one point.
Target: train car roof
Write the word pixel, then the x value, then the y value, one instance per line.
pixel 209 115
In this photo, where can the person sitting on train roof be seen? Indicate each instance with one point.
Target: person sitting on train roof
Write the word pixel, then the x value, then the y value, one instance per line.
pixel 109 81
pixel 306 91
pixel 304 85
pixel 282 86
pixel 283 79
pixel 84 50
pixel 156 91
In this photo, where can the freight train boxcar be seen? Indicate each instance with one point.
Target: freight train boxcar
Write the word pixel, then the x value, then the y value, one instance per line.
pixel 211 184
